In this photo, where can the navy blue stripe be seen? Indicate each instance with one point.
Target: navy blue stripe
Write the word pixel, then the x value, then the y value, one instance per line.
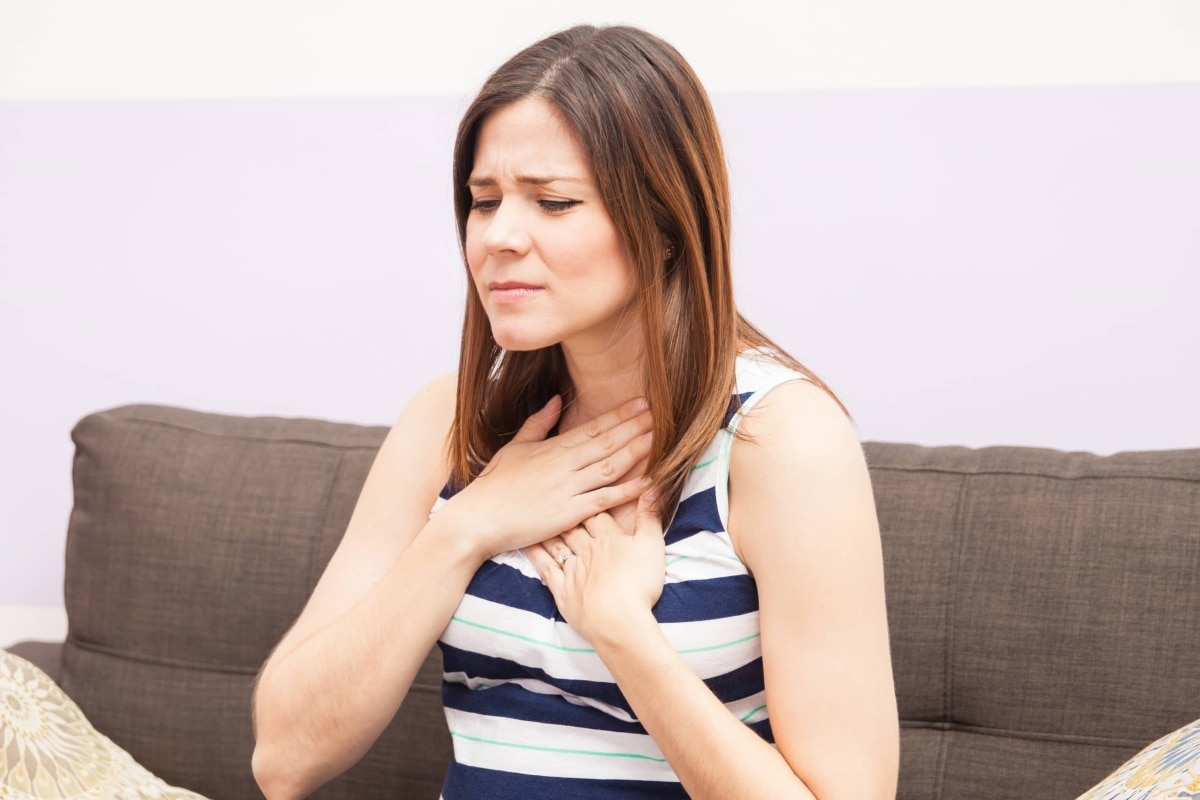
pixel 685 601
pixel 507 585
pixel 738 684
pixel 695 514
pixel 710 598
pixel 763 729
pixel 473 783
pixel 489 668
pixel 734 685
pixel 511 701
pixel 735 403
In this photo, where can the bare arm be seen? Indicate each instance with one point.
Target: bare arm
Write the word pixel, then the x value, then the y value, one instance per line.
pixel 802 517
pixel 339 675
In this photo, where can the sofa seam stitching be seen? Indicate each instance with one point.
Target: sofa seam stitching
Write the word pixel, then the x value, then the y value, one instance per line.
pixel 1032 474
pixel 945 728
pixel 262 439
pixel 947 661
pixel 313 546
pixel 182 663
pixel 178 663
pixel 951 597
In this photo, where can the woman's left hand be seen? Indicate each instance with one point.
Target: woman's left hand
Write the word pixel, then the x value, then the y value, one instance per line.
pixel 612 574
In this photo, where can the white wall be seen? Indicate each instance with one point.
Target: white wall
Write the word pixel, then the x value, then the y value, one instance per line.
pixel 981 227
pixel 306 48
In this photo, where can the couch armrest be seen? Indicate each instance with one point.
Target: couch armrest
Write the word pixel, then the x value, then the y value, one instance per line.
pixel 46 656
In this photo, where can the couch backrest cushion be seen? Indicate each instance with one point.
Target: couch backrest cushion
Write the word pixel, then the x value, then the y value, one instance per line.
pixel 1042 604
pixel 1043 609
pixel 194 542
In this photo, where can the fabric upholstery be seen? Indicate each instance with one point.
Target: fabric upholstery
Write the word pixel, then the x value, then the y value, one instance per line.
pixel 1041 604
pixel 1042 608
pixel 193 544
pixel 46 656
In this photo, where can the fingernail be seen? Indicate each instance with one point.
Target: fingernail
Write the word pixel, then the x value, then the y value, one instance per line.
pixel 641 404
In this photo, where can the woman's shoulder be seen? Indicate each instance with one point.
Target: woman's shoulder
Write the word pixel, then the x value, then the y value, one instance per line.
pixel 795 465
pixel 757 374
pixel 436 394
pixel 419 437
pixel 786 420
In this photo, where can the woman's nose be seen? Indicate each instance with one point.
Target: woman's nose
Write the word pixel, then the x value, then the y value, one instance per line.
pixel 507 229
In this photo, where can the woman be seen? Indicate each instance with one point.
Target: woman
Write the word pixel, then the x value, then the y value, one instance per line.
pixel 606 383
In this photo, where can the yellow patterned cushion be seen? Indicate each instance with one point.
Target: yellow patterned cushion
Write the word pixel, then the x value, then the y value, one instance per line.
pixel 1168 769
pixel 48 749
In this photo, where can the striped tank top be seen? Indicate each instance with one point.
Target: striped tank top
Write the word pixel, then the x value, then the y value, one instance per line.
pixel 532 710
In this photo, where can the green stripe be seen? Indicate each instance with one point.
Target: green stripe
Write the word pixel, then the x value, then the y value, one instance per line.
pixel 489 628
pixel 718 646
pixel 752 713
pixel 703 464
pixel 566 750
pixel 523 638
pixel 734 559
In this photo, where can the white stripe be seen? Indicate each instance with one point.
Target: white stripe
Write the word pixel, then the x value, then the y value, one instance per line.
pixel 540 687
pixel 518 560
pixel 716 646
pixel 482 626
pixel 557 751
pixel 710 647
pixel 702 556
pixel 750 709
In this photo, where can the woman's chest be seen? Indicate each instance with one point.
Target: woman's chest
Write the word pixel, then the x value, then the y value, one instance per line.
pixel 508 627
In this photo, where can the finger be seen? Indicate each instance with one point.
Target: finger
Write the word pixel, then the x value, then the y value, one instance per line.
pixel 613 466
pixel 546 567
pixel 556 547
pixel 606 497
pixel 635 411
pixel 603 525
pixel 540 422
pixel 579 539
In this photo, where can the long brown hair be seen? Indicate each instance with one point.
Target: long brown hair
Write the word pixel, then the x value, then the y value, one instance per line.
pixel 646 124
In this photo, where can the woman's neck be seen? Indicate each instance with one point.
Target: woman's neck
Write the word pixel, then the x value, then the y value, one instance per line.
pixel 601 381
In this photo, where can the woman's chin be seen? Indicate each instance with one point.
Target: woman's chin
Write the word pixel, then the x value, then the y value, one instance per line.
pixel 521 341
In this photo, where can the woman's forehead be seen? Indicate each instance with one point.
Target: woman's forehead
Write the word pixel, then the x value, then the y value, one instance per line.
pixel 528 141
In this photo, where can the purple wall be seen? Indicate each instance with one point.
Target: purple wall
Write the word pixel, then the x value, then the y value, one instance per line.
pixel 967 266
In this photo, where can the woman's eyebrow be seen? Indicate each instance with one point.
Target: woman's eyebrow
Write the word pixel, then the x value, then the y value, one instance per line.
pixel 536 180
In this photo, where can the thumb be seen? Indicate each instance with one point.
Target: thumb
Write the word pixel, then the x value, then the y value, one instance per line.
pixel 540 422
pixel 648 516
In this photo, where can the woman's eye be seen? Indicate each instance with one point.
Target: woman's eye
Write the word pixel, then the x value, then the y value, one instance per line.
pixel 558 206
pixel 484 206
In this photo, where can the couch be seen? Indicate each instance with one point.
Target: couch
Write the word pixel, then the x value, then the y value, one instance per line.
pixel 1043 605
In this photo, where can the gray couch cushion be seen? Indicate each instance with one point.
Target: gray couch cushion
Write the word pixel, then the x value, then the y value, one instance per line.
pixel 1041 604
pixel 193 544
pixel 1043 610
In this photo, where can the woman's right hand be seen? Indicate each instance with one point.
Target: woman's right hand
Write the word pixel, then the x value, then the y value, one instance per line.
pixel 536 487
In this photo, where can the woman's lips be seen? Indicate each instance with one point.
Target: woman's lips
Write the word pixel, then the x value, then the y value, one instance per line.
pixel 512 292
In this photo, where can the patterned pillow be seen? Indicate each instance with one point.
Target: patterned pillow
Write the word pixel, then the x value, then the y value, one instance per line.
pixel 48 749
pixel 1168 769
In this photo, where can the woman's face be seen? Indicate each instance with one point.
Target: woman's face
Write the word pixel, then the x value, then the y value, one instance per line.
pixel 543 252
